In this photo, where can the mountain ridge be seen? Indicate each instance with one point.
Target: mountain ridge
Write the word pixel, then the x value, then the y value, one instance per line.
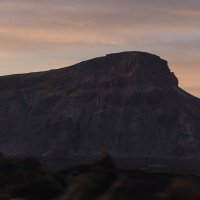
pixel 128 104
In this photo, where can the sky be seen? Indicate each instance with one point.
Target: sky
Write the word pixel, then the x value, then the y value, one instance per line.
pixel 38 35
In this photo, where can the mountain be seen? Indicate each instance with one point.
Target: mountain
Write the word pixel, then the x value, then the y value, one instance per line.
pixel 127 104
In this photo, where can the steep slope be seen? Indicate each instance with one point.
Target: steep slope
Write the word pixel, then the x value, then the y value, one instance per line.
pixel 128 104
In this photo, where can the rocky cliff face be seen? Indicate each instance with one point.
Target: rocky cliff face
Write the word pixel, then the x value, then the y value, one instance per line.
pixel 128 104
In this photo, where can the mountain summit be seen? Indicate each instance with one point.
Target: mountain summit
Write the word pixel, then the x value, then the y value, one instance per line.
pixel 127 104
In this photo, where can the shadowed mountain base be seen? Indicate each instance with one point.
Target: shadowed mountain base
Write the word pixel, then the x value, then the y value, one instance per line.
pixel 23 179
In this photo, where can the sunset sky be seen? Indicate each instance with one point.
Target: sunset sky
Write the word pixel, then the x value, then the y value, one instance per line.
pixel 38 35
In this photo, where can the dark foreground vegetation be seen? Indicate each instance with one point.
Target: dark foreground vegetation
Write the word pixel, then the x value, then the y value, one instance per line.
pixel 24 179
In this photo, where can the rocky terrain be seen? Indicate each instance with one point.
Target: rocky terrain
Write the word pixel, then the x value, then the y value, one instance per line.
pixel 127 104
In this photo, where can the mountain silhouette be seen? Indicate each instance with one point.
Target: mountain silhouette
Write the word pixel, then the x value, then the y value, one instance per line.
pixel 127 104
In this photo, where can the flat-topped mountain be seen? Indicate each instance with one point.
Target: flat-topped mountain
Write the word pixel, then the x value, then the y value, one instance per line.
pixel 127 104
